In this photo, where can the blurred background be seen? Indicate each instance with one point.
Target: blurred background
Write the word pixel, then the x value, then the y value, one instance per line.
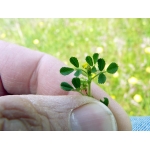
pixel 124 41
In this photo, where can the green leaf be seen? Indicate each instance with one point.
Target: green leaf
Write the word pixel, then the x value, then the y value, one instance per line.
pixel 66 70
pixel 89 70
pixel 74 61
pixel 101 64
pixel 65 86
pixel 94 69
pixel 106 101
pixel 78 72
pixel 101 78
pixel 89 60
pixel 95 57
pixel 112 68
pixel 76 82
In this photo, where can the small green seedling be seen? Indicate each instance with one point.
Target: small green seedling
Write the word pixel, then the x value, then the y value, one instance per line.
pixel 92 68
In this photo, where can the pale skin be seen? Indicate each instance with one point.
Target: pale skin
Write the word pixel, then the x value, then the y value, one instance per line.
pixel 31 97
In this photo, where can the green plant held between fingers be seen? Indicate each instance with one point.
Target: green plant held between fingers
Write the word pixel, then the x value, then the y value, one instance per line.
pixel 94 67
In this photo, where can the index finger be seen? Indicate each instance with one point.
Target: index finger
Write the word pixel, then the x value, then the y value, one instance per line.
pixel 24 71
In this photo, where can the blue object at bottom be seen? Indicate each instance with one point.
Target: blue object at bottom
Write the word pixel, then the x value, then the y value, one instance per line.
pixel 140 123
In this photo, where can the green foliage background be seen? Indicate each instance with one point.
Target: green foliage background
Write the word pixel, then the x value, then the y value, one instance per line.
pixel 120 40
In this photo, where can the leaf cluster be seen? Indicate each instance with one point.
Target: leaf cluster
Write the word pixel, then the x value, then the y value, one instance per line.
pixel 92 68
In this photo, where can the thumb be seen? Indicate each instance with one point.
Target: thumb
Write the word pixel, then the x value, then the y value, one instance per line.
pixel 37 112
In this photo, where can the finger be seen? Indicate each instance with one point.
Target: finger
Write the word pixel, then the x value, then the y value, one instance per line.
pixel 30 112
pixel 123 120
pixel 24 71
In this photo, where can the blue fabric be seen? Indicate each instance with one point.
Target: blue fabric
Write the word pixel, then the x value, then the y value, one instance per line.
pixel 140 123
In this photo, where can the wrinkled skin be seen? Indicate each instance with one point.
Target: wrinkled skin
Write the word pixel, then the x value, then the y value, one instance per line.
pixel 31 98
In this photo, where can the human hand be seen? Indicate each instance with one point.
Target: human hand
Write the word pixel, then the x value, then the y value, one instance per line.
pixel 31 98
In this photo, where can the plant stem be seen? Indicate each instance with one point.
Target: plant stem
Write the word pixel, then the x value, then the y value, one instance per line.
pixel 89 88
pixel 98 74
pixel 84 72
pixel 78 91
pixel 89 85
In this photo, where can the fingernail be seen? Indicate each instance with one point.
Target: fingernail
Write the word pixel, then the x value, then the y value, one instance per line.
pixel 93 117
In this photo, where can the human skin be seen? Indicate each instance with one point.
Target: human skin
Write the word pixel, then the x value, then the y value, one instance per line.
pixel 31 97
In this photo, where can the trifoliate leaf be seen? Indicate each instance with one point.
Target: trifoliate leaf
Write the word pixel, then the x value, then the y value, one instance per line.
pixel 66 70
pixel 112 68
pixel 101 64
pixel 78 72
pixel 106 101
pixel 95 57
pixel 65 86
pixel 76 82
pixel 74 61
pixel 94 69
pixel 89 60
pixel 101 78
